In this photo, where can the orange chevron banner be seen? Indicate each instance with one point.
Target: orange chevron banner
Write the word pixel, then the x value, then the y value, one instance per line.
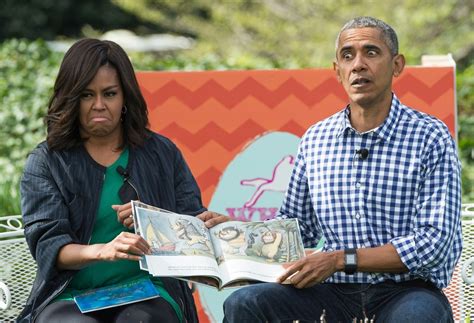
pixel 214 117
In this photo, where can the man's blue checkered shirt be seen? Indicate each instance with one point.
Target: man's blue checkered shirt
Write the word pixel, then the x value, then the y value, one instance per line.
pixel 407 192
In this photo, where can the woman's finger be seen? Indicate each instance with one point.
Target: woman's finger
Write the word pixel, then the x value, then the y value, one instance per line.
pixel 124 212
pixel 128 222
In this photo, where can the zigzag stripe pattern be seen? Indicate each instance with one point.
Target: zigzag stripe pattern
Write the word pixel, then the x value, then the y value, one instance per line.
pixel 409 84
pixel 208 178
pixel 248 87
pixel 288 109
pixel 271 98
pixel 212 131
pixel 227 140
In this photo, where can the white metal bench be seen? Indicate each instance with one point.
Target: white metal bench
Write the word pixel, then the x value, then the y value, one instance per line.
pixel 18 269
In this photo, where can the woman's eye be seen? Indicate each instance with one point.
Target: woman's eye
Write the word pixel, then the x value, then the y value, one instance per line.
pixel 110 93
pixel 85 95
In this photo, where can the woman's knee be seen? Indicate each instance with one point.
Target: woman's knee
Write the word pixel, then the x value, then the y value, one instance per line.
pixel 154 310
pixel 64 311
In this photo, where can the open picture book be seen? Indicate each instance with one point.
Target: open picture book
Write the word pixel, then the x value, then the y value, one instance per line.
pixel 228 255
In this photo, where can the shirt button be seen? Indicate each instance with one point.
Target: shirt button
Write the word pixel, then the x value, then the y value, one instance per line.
pixel 357 215
pixel 358 184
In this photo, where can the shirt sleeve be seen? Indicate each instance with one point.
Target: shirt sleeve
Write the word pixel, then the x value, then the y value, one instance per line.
pixel 45 215
pixel 437 219
pixel 297 202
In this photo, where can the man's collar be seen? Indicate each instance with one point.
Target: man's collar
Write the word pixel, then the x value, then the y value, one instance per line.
pixel 384 131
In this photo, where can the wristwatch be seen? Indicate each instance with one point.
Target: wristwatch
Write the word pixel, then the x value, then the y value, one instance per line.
pixel 350 261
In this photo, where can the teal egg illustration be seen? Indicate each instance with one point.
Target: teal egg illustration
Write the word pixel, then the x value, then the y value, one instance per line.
pixel 251 188
pixel 253 185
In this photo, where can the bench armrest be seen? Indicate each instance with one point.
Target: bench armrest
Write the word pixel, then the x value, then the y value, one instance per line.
pixel 468 278
pixel 5 297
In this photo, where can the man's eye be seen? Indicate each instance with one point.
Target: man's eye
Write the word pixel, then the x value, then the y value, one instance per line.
pixel 372 53
pixel 346 55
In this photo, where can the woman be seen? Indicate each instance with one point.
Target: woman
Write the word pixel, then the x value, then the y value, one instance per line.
pixel 77 186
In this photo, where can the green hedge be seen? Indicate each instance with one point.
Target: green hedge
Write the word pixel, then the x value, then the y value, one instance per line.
pixel 28 70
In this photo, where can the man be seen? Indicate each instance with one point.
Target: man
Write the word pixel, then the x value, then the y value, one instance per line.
pixel 380 183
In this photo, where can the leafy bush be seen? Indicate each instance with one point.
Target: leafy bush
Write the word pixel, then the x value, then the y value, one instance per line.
pixel 465 97
pixel 27 72
pixel 466 154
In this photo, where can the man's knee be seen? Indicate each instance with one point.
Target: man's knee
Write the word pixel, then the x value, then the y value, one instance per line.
pixel 241 298
pixel 420 306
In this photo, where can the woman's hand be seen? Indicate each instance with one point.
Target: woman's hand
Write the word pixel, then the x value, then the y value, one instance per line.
pixel 212 218
pixel 124 214
pixel 125 246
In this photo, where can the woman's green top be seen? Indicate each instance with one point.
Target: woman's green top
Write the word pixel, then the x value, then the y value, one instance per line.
pixel 106 228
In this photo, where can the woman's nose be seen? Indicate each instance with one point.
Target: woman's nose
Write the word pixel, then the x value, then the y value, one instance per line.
pixel 99 102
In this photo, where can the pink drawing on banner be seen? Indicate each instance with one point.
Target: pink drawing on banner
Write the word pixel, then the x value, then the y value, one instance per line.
pixel 277 183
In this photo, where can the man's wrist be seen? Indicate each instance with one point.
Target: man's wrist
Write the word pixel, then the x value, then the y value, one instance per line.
pixel 350 261
pixel 339 260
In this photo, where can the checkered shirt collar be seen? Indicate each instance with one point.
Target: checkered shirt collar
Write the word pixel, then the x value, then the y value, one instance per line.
pixel 384 131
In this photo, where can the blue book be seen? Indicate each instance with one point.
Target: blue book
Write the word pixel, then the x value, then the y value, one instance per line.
pixel 116 295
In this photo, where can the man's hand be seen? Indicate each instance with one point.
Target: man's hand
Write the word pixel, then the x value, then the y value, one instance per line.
pixel 212 218
pixel 311 270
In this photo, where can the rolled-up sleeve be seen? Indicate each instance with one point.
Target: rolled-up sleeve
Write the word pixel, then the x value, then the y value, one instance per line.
pixel 45 214
pixel 436 224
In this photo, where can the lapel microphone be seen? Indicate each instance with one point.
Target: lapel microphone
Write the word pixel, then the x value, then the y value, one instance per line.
pixel 362 153
pixel 123 172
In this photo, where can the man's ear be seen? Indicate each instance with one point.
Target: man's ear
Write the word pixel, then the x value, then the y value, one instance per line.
pixel 335 67
pixel 398 64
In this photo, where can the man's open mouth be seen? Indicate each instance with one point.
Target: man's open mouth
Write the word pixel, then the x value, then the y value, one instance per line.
pixel 360 81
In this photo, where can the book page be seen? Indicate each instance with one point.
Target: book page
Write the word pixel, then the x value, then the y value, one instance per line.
pixel 182 266
pixel 180 244
pixel 136 226
pixel 256 250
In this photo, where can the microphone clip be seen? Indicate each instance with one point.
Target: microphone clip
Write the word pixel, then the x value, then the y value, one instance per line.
pixel 123 172
pixel 362 153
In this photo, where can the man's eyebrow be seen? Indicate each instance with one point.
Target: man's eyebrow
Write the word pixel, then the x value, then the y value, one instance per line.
pixel 370 46
pixel 344 48
pixel 366 47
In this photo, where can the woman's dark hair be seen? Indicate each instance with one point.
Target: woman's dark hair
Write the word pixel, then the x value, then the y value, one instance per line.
pixel 78 68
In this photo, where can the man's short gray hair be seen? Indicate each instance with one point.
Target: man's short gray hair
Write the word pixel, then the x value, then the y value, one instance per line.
pixel 388 33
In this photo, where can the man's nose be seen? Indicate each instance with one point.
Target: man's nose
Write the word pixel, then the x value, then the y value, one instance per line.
pixel 358 64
